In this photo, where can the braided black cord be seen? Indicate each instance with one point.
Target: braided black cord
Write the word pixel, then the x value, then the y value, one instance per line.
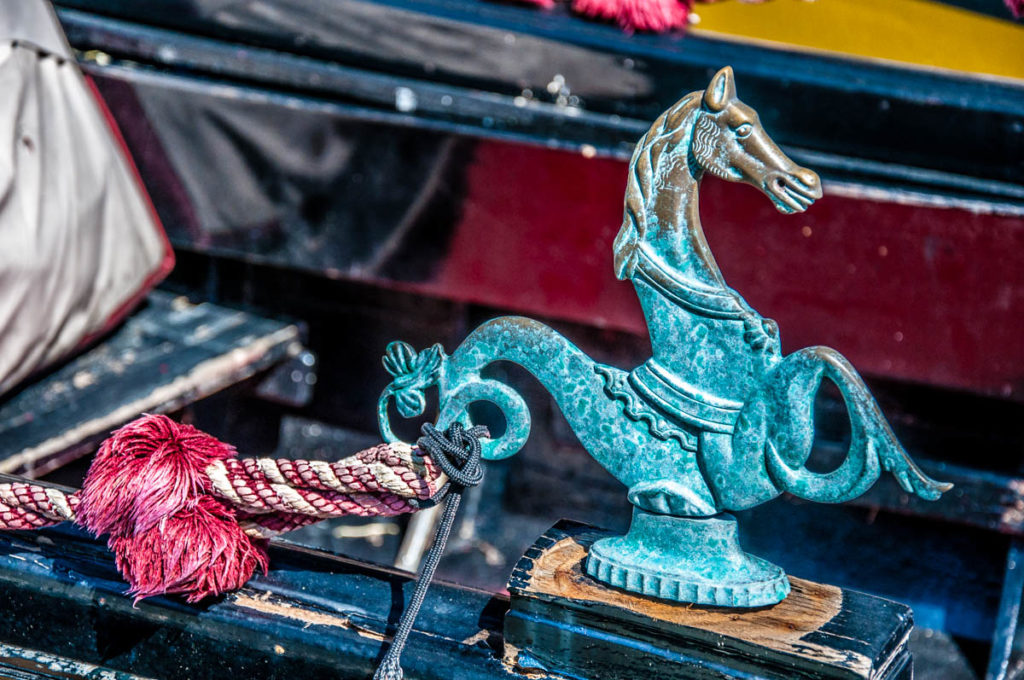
pixel 457 453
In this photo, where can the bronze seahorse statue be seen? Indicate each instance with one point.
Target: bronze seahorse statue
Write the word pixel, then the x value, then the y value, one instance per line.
pixel 717 420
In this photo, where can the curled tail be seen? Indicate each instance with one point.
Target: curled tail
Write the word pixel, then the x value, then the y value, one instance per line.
pixel 562 368
pixel 778 421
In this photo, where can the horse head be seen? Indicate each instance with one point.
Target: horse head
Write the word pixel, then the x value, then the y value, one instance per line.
pixel 730 142
pixel 704 132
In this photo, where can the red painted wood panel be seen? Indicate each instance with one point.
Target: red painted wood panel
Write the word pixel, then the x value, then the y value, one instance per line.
pixel 927 294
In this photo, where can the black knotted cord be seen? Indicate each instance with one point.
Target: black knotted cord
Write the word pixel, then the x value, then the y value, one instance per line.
pixel 457 453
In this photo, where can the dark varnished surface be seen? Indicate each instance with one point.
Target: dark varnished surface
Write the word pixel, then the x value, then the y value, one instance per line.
pixel 314 616
pixel 818 632
pixel 872 121
pixel 320 616
pixel 894 287
pixel 891 285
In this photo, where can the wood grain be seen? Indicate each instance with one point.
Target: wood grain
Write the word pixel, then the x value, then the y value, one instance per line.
pixel 562 620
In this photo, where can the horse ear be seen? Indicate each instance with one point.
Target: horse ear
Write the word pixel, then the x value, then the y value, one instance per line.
pixel 721 91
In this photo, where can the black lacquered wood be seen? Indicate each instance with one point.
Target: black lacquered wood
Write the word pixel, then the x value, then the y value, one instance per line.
pixel 562 621
pixel 313 616
pixel 485 68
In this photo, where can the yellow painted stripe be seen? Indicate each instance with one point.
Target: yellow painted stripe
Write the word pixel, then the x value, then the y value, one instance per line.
pixel 917 32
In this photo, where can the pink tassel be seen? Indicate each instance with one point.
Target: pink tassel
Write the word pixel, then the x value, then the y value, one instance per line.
pixel 1016 8
pixel 201 551
pixel 148 489
pixel 638 15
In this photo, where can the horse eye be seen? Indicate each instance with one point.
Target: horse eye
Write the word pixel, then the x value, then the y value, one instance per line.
pixel 744 130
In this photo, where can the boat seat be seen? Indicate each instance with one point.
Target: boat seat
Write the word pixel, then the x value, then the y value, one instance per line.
pixel 167 355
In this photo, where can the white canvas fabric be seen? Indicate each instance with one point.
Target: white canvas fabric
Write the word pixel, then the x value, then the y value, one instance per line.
pixel 79 241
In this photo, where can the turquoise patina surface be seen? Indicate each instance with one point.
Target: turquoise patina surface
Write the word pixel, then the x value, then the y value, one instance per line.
pixel 717 420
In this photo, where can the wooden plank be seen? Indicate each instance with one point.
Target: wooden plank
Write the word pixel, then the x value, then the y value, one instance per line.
pixel 979 498
pixel 320 616
pixel 169 354
pixel 879 30
pixel 562 621
pixel 22 663
pixel 315 616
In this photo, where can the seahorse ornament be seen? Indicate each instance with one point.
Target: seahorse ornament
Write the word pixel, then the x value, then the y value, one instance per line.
pixel 717 420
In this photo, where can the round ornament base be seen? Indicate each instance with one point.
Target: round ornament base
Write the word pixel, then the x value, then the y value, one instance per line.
pixel 687 559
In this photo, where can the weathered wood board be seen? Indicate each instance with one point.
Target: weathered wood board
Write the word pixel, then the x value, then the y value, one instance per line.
pixel 22 663
pixel 562 621
pixel 167 355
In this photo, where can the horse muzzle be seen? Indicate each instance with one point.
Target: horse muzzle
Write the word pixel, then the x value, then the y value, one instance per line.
pixel 793 191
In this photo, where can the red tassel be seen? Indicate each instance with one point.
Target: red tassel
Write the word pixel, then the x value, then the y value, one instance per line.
pixel 148 489
pixel 638 15
pixel 200 551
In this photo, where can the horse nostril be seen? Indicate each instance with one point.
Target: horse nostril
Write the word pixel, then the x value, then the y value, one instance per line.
pixel 780 183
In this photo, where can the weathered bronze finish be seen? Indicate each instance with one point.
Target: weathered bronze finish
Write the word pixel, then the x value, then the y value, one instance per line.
pixel 717 420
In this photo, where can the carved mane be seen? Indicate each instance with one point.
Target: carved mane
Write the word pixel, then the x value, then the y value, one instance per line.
pixel 654 154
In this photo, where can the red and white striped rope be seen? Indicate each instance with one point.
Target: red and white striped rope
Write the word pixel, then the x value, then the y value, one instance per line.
pixel 273 496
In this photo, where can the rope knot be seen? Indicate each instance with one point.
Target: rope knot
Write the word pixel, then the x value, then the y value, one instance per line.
pixel 457 452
